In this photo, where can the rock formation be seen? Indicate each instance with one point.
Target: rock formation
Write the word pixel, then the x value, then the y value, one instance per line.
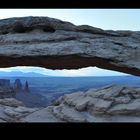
pixel 56 44
pixel 17 85
pixel 5 89
pixel 6 92
pixel 12 110
pixel 26 87
pixel 108 104
pixel 112 103
pixel 4 83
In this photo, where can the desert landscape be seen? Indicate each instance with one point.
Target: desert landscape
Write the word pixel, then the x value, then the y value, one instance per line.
pixel 55 44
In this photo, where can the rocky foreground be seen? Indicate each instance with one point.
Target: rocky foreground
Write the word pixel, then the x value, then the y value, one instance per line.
pixel 12 110
pixel 108 104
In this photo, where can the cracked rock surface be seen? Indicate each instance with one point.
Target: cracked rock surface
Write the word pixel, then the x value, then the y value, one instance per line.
pixel 56 44
pixel 111 103
pixel 108 104
pixel 12 110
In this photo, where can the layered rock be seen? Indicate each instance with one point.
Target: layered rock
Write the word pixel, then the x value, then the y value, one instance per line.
pixel 5 89
pixel 108 104
pixel 4 83
pixel 12 110
pixel 56 44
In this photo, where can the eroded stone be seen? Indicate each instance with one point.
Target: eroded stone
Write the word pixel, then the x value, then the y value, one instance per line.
pixel 56 44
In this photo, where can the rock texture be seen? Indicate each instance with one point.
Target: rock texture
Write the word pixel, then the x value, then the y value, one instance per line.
pixel 56 44
pixel 12 110
pixel 6 92
pixel 109 104
pixel 4 83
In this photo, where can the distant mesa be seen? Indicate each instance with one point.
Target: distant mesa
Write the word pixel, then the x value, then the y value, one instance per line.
pixel 17 84
pixel 6 91
pixel 10 91
pixel 4 83
pixel 26 87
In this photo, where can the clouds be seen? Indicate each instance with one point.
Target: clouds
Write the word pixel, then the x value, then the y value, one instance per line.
pixel 89 71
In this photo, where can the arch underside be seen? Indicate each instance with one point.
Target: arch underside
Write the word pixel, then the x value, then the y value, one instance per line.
pixel 65 62
pixel 55 44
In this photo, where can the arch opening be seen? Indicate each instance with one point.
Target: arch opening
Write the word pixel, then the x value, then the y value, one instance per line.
pixel 66 62
pixel 40 87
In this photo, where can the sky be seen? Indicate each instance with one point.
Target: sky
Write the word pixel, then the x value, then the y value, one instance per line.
pixel 107 19
pixel 89 71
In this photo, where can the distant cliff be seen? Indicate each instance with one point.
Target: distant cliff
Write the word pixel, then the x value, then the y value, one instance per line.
pixel 17 85
pixel 4 82
pixel 6 91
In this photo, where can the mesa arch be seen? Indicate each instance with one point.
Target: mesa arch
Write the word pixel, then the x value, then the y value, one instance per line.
pixel 56 44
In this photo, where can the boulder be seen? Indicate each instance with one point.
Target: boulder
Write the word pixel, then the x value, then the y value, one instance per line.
pixel 6 92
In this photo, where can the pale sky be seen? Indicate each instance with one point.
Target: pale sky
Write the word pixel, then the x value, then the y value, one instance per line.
pixel 108 19
pixel 89 71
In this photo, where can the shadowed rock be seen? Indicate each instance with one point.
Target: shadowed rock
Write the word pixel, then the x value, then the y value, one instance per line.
pixel 17 85
pixel 56 44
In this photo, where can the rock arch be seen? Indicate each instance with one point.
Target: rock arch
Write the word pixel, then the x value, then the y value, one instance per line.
pixel 56 44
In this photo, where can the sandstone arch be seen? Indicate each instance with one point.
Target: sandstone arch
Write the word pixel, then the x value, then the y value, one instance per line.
pixel 56 44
